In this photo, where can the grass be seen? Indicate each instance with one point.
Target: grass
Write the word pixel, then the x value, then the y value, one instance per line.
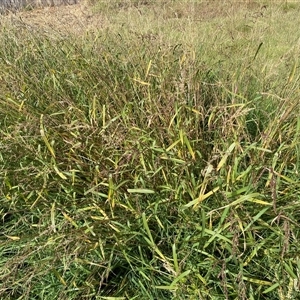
pixel 154 157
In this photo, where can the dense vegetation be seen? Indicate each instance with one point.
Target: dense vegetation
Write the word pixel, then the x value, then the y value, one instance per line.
pixel 154 157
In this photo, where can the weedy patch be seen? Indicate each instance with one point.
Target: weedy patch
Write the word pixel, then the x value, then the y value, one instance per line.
pixel 156 156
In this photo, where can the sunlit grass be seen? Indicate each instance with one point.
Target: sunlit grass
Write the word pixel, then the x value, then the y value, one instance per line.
pixel 155 157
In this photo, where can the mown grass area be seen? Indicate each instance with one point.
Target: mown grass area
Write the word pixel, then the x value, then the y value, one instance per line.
pixel 154 157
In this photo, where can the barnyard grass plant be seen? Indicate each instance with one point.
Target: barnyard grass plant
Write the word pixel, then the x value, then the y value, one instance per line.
pixel 155 157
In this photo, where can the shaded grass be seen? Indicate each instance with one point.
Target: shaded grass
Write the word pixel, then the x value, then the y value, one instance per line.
pixel 151 163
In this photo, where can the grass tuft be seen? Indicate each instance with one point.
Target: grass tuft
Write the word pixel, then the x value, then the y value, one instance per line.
pixel 155 157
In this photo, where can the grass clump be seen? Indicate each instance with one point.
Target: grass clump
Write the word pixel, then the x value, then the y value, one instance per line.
pixel 156 157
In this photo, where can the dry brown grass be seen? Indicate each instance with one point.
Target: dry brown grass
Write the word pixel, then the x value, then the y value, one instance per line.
pixel 80 17
pixel 77 18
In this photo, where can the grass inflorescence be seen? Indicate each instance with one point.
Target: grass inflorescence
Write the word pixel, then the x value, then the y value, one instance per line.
pixel 154 157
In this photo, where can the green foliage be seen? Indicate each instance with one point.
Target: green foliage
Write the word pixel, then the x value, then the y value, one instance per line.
pixel 149 163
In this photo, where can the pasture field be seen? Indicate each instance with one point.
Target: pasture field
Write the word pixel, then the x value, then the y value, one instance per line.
pixel 150 150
